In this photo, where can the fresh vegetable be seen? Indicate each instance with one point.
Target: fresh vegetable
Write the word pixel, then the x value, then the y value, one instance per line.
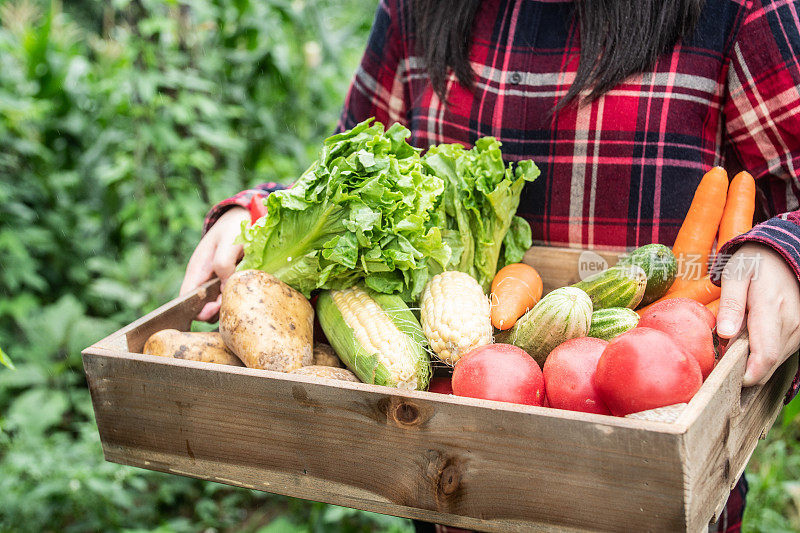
pixel 737 218
pixel 563 314
pixel 660 267
pixel 325 356
pixel 612 321
pixel 477 210
pixel 362 210
pixel 376 336
pixel 702 291
pixel 714 307
pixel 699 229
pixel 568 374
pixel 441 385
pixel 644 369
pixel 499 372
pixel 327 372
pixel 618 286
pixel 265 322
pixel 687 322
pixel 206 347
pixel 515 290
pixel 369 209
pixel 455 315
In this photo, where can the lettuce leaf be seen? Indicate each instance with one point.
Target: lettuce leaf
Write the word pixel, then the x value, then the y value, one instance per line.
pixel 361 211
pixel 477 212
pixel 371 208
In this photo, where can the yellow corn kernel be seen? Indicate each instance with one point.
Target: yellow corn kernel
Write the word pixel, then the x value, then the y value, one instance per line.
pixel 377 334
pixel 455 315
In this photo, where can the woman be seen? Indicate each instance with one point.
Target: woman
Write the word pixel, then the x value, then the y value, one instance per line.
pixel 623 104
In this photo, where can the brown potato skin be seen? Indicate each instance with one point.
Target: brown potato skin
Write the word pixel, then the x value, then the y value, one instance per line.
pixel 325 356
pixel 328 372
pixel 194 346
pixel 268 324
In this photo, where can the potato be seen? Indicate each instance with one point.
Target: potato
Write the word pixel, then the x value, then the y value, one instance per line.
pixel 328 372
pixel 325 356
pixel 206 347
pixel 268 324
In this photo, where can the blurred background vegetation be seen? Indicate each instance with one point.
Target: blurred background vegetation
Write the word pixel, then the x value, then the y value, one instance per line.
pixel 120 123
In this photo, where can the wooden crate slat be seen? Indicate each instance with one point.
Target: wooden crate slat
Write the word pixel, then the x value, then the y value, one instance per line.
pixel 559 267
pixel 465 462
pixel 479 467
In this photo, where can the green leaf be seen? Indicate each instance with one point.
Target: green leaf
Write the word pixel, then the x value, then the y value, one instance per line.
pixel 37 410
pixel 360 211
pixel 477 214
pixel 791 412
pixel 5 361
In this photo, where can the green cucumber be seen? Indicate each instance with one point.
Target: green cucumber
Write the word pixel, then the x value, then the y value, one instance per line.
pixel 618 286
pixel 563 314
pixel 660 266
pixel 608 323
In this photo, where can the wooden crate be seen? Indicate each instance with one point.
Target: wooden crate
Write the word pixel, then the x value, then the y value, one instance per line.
pixel 465 462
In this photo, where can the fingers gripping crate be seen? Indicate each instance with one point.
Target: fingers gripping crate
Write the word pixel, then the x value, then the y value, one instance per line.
pixel 465 462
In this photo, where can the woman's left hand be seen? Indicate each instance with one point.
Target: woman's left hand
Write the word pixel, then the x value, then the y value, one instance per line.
pixel 758 281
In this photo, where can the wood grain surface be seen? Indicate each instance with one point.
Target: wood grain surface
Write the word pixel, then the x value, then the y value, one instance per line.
pixel 490 466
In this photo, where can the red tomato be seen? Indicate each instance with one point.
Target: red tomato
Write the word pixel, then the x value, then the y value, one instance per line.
pixel 440 385
pixel 499 372
pixel 687 322
pixel 644 369
pixel 687 304
pixel 568 372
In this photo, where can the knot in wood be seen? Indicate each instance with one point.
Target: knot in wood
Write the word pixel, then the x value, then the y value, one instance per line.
pixel 406 413
pixel 449 479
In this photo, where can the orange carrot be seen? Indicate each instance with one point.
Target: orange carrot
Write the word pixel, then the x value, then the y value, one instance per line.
pixel 701 290
pixel 699 228
pixel 737 217
pixel 515 289
pixel 714 306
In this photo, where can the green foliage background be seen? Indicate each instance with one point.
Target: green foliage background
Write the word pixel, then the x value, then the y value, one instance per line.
pixel 120 123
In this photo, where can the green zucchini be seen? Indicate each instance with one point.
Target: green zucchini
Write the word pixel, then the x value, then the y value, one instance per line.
pixel 618 286
pixel 660 266
pixel 608 323
pixel 563 314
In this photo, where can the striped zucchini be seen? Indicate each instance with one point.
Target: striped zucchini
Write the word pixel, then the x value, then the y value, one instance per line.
pixel 376 336
pixel 618 286
pixel 660 266
pixel 613 321
pixel 563 314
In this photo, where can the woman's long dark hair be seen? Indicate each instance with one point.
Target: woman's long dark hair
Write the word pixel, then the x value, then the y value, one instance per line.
pixel 618 38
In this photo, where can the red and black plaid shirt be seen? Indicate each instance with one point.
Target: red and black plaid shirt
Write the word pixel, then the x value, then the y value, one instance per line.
pixel 619 172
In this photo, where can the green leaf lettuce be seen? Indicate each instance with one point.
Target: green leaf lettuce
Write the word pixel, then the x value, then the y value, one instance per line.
pixel 477 211
pixel 361 211
pixel 371 208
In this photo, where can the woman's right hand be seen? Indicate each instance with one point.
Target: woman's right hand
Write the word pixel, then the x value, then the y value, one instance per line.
pixel 215 254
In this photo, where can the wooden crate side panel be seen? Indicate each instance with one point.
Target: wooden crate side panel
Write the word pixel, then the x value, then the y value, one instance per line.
pixel 559 267
pixel 402 454
pixel 722 436
pixel 175 314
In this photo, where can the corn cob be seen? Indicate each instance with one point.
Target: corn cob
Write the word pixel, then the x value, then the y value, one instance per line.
pixel 376 336
pixel 455 315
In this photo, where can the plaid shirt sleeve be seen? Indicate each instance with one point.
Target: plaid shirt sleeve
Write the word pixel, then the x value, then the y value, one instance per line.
pixel 379 87
pixel 763 125
pixel 241 199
